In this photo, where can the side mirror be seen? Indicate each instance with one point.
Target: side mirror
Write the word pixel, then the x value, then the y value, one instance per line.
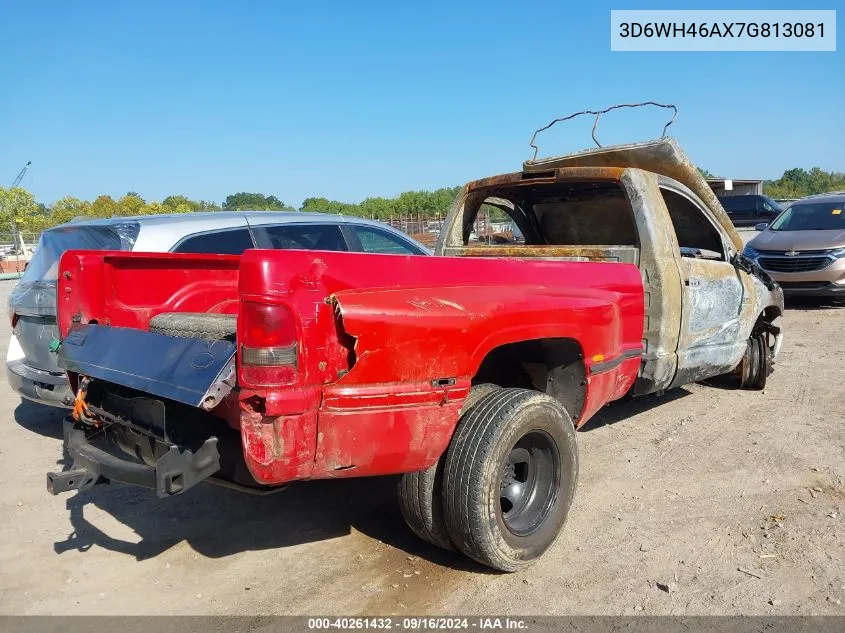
pixel 742 262
pixel 761 227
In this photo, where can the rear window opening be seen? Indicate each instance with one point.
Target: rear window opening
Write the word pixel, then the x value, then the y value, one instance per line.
pixel 582 220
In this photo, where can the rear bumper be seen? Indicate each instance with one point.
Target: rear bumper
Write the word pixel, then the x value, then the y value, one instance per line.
pixel 37 385
pixel 174 472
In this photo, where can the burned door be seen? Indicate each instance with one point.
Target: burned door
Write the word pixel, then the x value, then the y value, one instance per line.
pixel 711 340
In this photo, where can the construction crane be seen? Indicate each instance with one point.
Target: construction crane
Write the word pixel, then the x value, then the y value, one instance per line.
pixel 17 239
pixel 21 174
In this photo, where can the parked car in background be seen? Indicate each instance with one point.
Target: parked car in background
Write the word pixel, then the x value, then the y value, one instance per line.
pixel 750 210
pixel 804 248
pixel 31 366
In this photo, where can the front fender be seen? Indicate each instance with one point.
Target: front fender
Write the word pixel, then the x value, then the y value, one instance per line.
pixel 763 299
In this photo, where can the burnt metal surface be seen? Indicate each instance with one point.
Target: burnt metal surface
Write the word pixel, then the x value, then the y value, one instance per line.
pixel 598 114
pixel 530 178
pixel 661 281
pixel 699 312
pixel 621 254
pixel 181 369
pixel 663 156
pixel 712 337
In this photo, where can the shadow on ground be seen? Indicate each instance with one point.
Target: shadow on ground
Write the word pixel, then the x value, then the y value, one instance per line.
pixel 40 418
pixel 629 407
pixel 813 303
pixel 218 522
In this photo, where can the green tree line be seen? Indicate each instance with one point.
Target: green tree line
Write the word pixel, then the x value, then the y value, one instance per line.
pixel 797 183
pixel 31 216
pixel 424 203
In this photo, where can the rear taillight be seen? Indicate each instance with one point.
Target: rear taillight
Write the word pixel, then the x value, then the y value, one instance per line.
pixel 13 317
pixel 268 344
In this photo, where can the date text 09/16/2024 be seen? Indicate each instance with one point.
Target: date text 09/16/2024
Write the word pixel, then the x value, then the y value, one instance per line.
pixel 418 623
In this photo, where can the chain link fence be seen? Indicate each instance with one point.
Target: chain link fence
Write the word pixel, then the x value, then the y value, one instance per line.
pixel 487 227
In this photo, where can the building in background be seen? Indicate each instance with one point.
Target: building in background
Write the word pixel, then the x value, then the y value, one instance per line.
pixel 723 187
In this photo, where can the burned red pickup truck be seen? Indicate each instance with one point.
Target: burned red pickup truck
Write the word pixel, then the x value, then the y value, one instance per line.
pixel 616 272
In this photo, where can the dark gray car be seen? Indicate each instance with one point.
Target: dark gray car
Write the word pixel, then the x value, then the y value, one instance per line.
pixel 31 366
pixel 750 210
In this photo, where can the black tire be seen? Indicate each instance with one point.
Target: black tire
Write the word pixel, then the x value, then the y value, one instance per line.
pixel 477 393
pixel 756 364
pixel 510 477
pixel 213 327
pixel 420 493
pixel 422 505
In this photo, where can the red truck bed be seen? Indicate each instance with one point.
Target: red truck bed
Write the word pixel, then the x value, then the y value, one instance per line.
pixel 418 327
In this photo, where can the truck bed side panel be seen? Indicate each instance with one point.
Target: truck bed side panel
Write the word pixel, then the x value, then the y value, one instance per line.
pixel 420 328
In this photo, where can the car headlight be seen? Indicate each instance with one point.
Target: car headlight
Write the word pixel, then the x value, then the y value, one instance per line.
pixel 750 253
pixel 837 252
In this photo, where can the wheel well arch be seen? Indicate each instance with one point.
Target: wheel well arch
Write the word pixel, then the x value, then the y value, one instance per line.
pixel 551 365
pixel 771 313
pixel 765 320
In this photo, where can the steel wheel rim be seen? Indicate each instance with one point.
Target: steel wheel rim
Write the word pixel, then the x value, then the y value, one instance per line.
pixel 528 483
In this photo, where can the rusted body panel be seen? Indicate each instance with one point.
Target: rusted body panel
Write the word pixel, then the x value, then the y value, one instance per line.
pixel 698 312
pixel 387 345
pixel 663 156
pixel 552 173
pixel 578 253
pixel 662 283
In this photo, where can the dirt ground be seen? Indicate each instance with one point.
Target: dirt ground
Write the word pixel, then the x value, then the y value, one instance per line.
pixel 705 501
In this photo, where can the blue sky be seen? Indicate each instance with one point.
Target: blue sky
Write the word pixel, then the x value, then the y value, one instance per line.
pixel 352 99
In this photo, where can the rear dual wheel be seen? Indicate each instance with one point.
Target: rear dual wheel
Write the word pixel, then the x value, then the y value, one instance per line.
pixel 507 479
pixel 510 477
pixel 420 493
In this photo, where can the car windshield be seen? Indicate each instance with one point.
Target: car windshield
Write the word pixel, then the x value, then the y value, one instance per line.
pixel 811 216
